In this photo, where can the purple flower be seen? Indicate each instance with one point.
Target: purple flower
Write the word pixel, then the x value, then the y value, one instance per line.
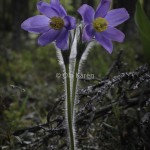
pixel 53 25
pixel 100 24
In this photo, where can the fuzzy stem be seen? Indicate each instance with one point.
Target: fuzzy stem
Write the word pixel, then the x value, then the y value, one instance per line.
pixel 74 86
pixel 69 111
pixel 69 115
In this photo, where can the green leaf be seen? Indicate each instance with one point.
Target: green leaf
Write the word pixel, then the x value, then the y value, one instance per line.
pixel 143 25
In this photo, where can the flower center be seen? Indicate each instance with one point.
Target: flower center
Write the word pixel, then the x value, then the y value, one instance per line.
pixel 100 24
pixel 56 23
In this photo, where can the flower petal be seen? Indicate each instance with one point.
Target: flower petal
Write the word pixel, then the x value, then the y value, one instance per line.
pixel 87 13
pixel 36 24
pixel 114 34
pixel 117 16
pixel 62 40
pixel 88 33
pixel 102 9
pixel 55 6
pixel 70 22
pixel 55 2
pixel 106 43
pixel 41 4
pixel 47 10
pixel 60 9
pixel 48 37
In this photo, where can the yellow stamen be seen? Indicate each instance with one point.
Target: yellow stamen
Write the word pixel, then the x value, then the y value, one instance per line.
pixel 56 23
pixel 100 24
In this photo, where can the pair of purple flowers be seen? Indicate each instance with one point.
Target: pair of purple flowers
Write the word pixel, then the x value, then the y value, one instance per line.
pixel 55 24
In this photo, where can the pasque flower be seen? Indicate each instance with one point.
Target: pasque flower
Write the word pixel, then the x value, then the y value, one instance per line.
pixel 101 24
pixel 53 25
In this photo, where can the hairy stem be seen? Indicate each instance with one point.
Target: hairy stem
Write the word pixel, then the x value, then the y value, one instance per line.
pixel 74 86
pixel 69 110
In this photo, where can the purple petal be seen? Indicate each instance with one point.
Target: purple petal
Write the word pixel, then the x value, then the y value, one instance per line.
pixel 55 2
pixel 88 33
pixel 36 24
pixel 70 22
pixel 60 9
pixel 102 9
pixel 62 40
pixel 41 4
pixel 106 43
pixel 87 13
pixel 117 16
pixel 53 8
pixel 47 10
pixel 114 34
pixel 48 37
